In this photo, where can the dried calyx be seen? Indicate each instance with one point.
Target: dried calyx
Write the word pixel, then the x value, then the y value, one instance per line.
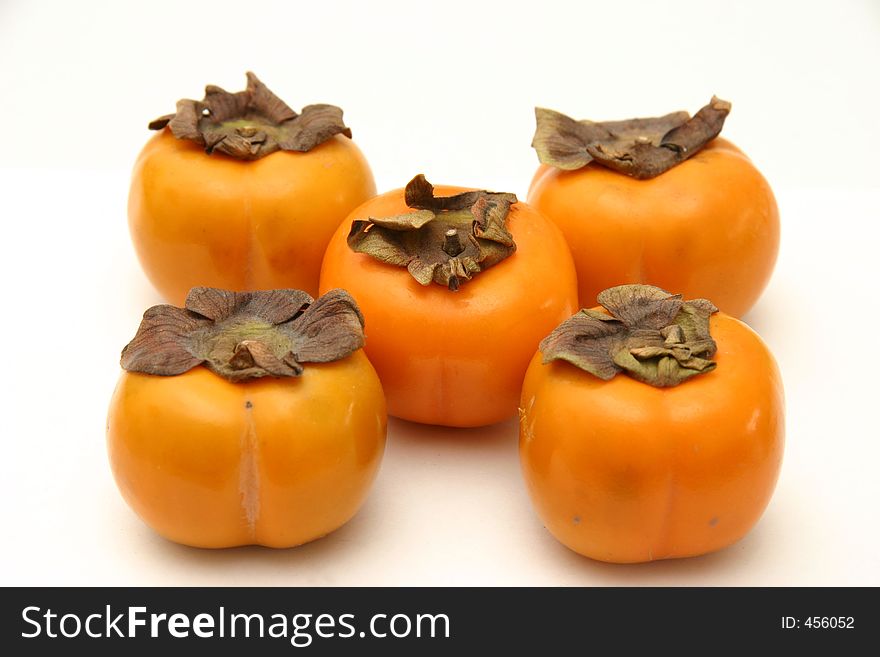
pixel 641 148
pixel 252 123
pixel 246 335
pixel 446 239
pixel 651 335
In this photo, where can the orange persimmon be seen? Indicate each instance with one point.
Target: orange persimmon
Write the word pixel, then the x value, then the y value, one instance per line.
pixel 677 459
pixel 238 191
pixel 708 226
pixel 451 335
pixel 232 425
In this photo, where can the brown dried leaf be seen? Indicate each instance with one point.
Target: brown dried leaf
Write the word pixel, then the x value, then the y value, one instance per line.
pixel 160 345
pixel 252 123
pixel 407 221
pixel 330 328
pixel 272 306
pixel 446 240
pixel 245 335
pixel 185 122
pixel 587 340
pixel 380 244
pixel 314 126
pixel 560 140
pixel 419 193
pixel 641 306
pixel 275 306
pixel 641 148
pixel 694 322
pixel 266 102
pixel 212 302
pixel 252 358
pixel 653 336
pixel 490 215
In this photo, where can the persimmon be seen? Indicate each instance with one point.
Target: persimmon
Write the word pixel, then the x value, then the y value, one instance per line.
pixel 457 288
pixel 238 191
pixel 661 201
pixel 677 458
pixel 247 418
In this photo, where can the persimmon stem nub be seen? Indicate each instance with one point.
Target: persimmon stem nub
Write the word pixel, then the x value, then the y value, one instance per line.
pixel 452 244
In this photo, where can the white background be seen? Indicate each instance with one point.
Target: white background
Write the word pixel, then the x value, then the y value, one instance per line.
pixel 445 88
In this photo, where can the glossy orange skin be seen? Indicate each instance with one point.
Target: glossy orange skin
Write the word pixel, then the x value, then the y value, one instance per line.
pixel 707 228
pixel 456 358
pixel 624 472
pixel 273 462
pixel 213 220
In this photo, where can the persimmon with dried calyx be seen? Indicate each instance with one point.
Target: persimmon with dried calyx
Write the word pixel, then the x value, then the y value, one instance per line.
pixel 247 418
pixel 238 191
pixel 663 201
pixel 457 287
pixel 651 428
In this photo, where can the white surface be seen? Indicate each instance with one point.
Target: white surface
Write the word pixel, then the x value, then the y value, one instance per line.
pixel 449 506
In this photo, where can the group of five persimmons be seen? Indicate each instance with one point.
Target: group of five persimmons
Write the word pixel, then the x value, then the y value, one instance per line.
pixel 651 426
